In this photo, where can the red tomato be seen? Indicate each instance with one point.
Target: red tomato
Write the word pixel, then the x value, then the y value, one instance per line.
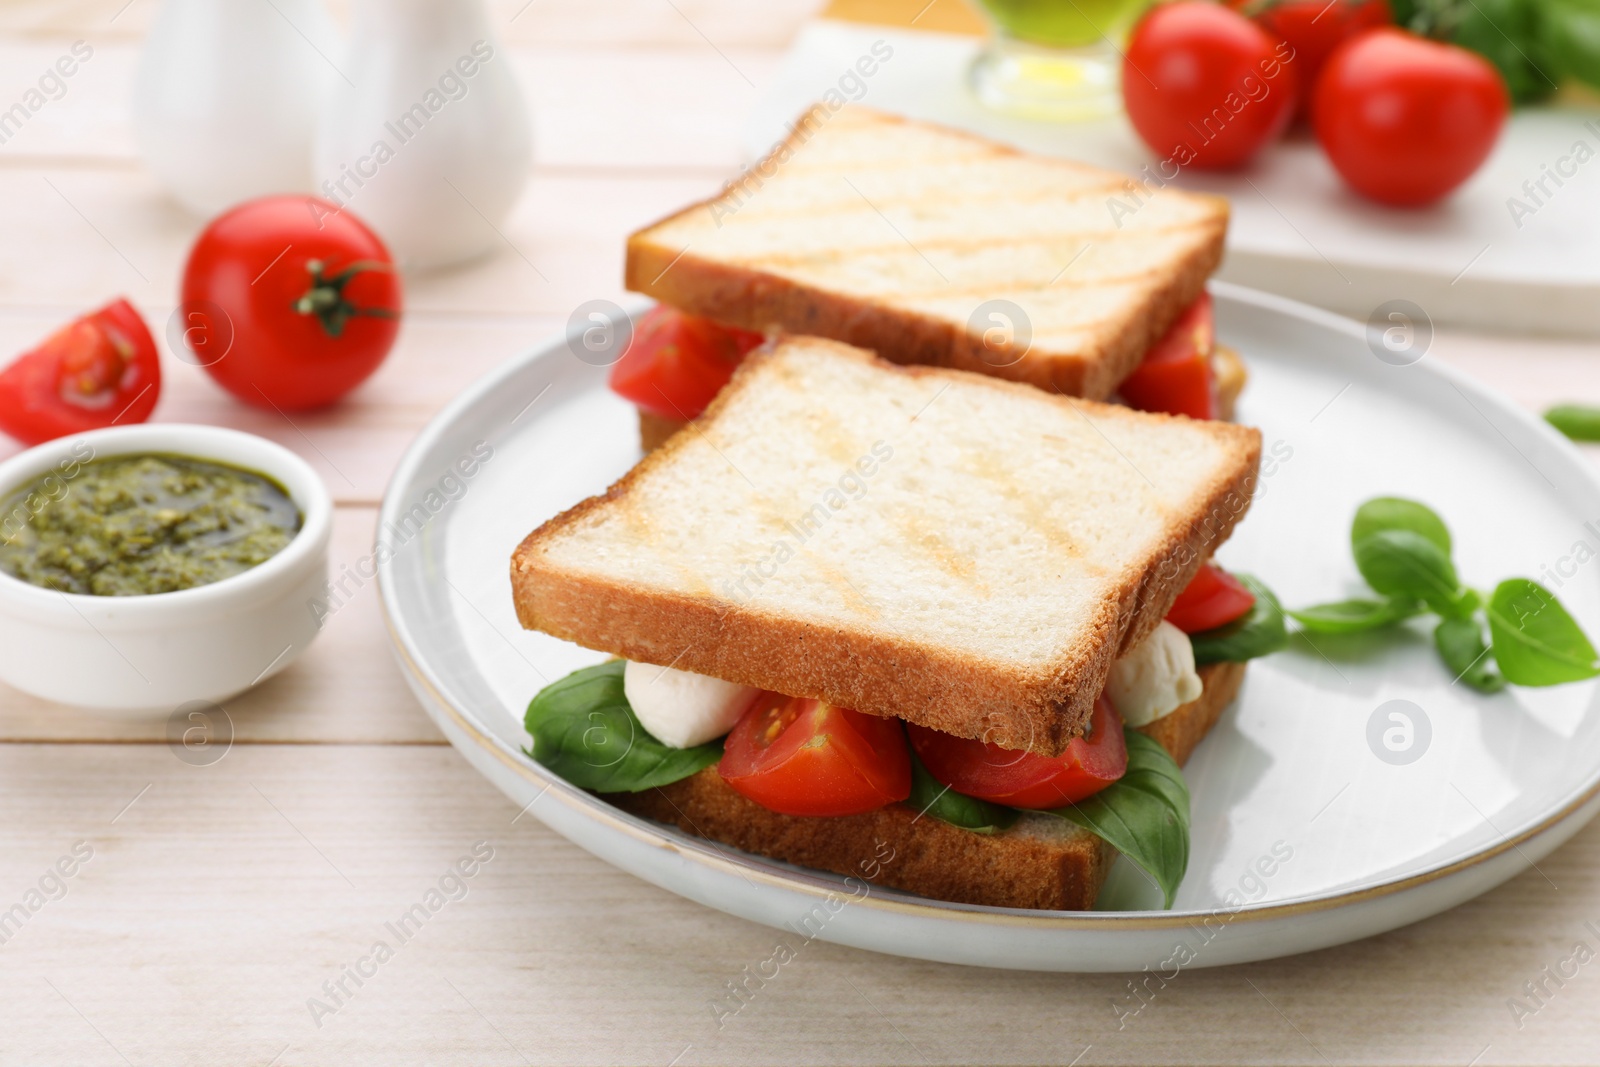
pixel 310 297
pixel 100 370
pixel 806 757
pixel 677 363
pixel 1212 598
pixel 1205 86
pixel 1314 28
pixel 1406 120
pixel 1175 376
pixel 1023 779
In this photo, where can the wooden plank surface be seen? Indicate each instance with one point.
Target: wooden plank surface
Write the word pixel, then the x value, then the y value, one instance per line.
pixel 219 898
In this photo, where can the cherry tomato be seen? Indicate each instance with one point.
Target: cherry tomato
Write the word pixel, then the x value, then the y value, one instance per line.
pixel 1212 598
pixel 677 363
pixel 306 292
pixel 1176 375
pixel 1314 28
pixel 1023 779
pixel 806 757
pixel 1406 120
pixel 1205 86
pixel 100 370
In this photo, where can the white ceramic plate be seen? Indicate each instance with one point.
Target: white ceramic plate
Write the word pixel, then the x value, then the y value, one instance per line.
pixel 1303 835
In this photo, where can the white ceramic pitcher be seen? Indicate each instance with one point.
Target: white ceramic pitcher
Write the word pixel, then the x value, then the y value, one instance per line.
pixel 431 144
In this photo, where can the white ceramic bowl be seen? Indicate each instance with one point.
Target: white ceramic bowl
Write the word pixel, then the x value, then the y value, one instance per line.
pixel 165 650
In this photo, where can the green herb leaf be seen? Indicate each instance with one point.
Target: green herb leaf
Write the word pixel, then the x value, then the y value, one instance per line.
pixel 1404 563
pixel 1354 616
pixel 1461 646
pixel 1575 420
pixel 1535 641
pixel 584 730
pixel 1259 632
pixel 1144 814
pixel 1569 30
pixel 1397 513
pixel 933 798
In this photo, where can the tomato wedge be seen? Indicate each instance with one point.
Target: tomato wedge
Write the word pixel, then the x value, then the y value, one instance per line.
pixel 1023 779
pixel 677 363
pixel 1212 598
pixel 1175 376
pixel 104 368
pixel 806 757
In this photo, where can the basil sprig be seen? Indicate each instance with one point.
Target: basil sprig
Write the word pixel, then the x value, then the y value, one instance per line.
pixel 1258 632
pixel 584 730
pixel 1144 814
pixel 936 800
pixel 1402 549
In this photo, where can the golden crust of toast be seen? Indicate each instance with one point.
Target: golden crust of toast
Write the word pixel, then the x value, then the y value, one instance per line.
pixel 1042 862
pixel 1085 353
pixel 874 668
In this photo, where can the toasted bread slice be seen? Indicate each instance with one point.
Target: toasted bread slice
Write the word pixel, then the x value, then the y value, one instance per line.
pixel 1040 862
pixel 950 549
pixel 894 235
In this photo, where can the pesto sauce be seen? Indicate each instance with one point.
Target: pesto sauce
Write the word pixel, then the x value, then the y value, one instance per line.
pixel 134 525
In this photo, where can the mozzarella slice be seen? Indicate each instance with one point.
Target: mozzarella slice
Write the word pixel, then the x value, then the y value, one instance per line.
pixel 1155 678
pixel 683 709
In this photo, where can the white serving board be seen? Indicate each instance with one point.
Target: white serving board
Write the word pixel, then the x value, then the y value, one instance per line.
pixel 1296 229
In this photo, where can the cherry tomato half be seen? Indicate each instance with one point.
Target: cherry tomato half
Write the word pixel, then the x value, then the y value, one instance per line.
pixel 1206 87
pixel 806 757
pixel 1212 598
pixel 100 370
pixel 1023 779
pixel 677 363
pixel 1176 375
pixel 306 292
pixel 1314 28
pixel 1406 120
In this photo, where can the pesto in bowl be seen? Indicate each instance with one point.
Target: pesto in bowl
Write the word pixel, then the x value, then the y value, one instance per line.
pixel 133 525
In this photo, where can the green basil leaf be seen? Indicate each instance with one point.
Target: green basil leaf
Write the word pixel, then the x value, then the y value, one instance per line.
pixel 1355 616
pixel 1404 563
pixel 1535 641
pixel 1259 632
pixel 1461 646
pixel 1397 513
pixel 933 798
pixel 584 730
pixel 1144 814
pixel 1575 420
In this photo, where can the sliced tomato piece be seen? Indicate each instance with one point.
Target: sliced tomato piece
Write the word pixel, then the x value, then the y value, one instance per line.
pixel 101 369
pixel 1212 598
pixel 806 757
pixel 677 363
pixel 1176 375
pixel 1024 779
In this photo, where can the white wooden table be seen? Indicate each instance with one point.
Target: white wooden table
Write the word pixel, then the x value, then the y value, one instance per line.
pixel 219 900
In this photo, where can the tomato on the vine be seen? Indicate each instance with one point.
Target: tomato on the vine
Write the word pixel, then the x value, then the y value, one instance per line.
pixel 1206 87
pixel 1406 120
pixel 677 363
pixel 289 302
pixel 806 757
pixel 1313 29
pixel 102 369
pixel 1025 779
